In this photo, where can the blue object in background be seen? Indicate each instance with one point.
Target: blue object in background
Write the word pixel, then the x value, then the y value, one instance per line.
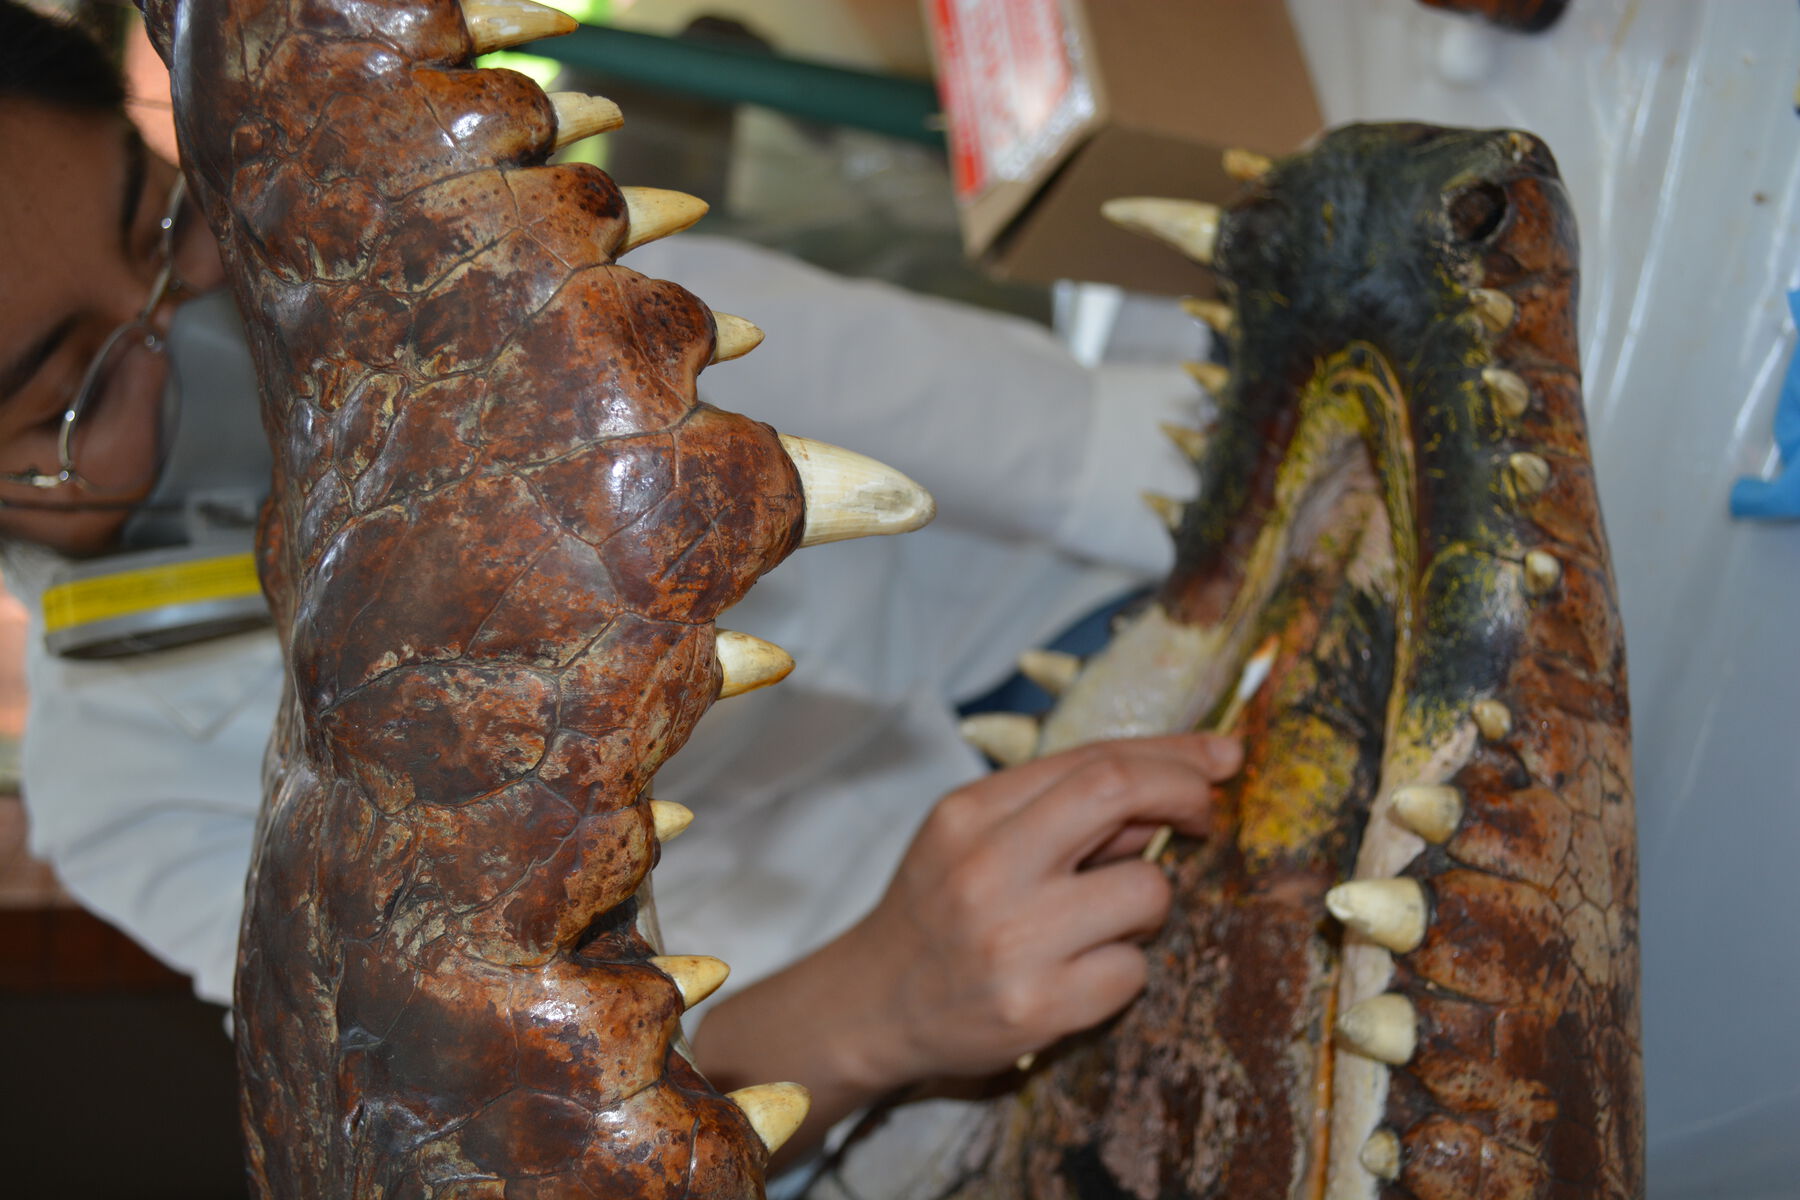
pixel 1778 498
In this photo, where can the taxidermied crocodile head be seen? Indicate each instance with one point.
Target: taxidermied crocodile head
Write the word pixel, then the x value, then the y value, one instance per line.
pixel 1406 963
pixel 501 526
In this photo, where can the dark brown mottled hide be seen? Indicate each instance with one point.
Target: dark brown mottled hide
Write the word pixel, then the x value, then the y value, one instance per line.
pixel 1398 492
pixel 500 530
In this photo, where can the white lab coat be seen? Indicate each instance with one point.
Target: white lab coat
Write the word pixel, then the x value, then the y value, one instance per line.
pixel 142 775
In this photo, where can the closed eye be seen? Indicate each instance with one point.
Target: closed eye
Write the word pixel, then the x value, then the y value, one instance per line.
pixel 30 364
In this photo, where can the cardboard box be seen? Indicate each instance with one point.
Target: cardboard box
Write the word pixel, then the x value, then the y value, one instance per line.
pixel 1057 105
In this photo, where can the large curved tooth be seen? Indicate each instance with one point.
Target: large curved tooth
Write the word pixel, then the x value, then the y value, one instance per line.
pixel 775 1110
pixel 1212 376
pixel 1007 738
pixel 1191 442
pixel 1530 473
pixel 850 495
pixel 658 212
pixel 1168 510
pixel 1429 810
pixel 1051 670
pixel 1495 308
pixel 1389 912
pixel 1246 166
pixel 697 975
pixel 1512 395
pixel 1216 314
pixel 1492 718
pixel 1191 226
pixel 497 24
pixel 579 115
pixel 1380 1155
pixel 749 663
pixel 1384 1028
pixel 670 819
pixel 1543 570
pixel 736 337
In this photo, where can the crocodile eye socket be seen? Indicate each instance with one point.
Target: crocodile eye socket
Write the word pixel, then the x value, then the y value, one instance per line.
pixel 1477 211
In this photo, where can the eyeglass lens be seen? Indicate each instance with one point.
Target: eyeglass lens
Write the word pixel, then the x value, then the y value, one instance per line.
pixel 124 420
pixel 123 434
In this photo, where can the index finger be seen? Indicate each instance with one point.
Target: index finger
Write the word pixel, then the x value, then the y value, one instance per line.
pixel 1217 756
pixel 1152 781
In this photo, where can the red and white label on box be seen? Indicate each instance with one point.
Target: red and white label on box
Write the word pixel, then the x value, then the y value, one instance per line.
pixel 1010 84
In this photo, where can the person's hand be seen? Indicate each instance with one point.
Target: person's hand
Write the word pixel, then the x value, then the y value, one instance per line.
pixel 1015 917
pixel 1013 920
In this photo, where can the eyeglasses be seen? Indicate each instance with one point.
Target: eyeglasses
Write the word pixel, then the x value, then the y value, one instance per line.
pixel 124 395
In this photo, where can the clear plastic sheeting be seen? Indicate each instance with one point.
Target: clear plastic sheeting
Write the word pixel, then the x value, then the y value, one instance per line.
pixel 1674 125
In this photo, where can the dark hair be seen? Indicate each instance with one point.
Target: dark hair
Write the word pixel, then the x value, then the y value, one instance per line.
pixel 44 59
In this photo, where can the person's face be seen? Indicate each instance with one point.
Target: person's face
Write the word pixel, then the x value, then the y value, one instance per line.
pixel 80 234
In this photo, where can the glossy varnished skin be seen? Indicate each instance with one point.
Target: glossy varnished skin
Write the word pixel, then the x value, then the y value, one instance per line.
pixel 1364 432
pixel 500 530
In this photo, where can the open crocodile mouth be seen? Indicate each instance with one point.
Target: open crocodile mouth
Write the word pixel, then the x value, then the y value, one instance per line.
pixel 1405 963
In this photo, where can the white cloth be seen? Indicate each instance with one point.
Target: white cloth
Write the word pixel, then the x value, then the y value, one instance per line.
pixel 141 783
pixel 142 776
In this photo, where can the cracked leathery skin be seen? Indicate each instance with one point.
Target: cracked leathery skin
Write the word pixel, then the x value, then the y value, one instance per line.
pixel 1398 492
pixel 500 529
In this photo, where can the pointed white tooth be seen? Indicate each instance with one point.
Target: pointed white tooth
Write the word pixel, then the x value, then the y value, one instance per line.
pixel 670 819
pixel 658 212
pixel 1051 670
pixel 1389 912
pixel 1216 314
pixel 1512 395
pixel 1007 738
pixel 1495 308
pixel 1543 572
pixel 1191 226
pixel 697 975
pixel 1530 473
pixel 1191 442
pixel 1431 811
pixel 1246 166
pixel 1384 1028
pixel 850 495
pixel 1380 1155
pixel 749 663
pixel 775 1110
pixel 1168 510
pixel 579 115
pixel 1209 375
pixel 736 337
pixel 1492 718
pixel 497 24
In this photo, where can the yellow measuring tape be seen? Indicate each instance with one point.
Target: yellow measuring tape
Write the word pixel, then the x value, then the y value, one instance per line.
pixel 105 597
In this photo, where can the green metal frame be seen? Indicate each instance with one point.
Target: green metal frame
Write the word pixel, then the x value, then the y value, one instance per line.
pixel 900 108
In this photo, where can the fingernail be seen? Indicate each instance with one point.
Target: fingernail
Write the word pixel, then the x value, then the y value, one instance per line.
pixel 1227 754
